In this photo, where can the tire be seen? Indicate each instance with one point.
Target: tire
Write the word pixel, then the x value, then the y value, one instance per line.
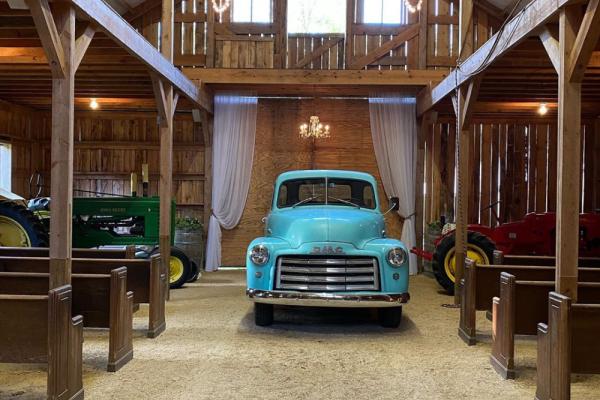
pixel 480 247
pixel 14 216
pixel 263 314
pixel 195 274
pixel 390 317
pixel 180 268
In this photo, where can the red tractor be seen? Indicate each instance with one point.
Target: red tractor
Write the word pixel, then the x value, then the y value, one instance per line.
pixel 533 235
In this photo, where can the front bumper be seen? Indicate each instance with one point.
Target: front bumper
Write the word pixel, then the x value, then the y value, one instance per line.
pixel 327 299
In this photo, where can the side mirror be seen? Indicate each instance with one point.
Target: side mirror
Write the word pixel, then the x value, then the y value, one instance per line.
pixel 394 203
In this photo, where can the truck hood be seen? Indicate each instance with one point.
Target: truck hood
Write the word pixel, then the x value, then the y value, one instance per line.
pixel 325 224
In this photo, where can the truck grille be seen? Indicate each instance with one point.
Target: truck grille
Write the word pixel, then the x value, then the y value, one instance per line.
pixel 318 274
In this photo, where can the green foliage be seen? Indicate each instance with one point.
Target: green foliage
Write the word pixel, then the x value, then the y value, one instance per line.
pixel 435 225
pixel 188 223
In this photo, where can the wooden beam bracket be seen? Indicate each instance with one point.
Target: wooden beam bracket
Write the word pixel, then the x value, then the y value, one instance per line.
pixel 49 35
pixel 585 43
pixel 83 42
pixel 551 45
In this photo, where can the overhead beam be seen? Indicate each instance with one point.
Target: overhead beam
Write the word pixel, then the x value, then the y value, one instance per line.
pixel 131 40
pixel 535 14
pixel 83 42
pixel 585 43
pixel 551 45
pixel 314 77
pixel 46 28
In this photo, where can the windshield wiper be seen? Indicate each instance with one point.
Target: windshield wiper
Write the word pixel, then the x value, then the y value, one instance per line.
pixel 343 201
pixel 306 200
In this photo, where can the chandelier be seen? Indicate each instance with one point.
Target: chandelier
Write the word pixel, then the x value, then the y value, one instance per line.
pixel 415 8
pixel 314 129
pixel 221 6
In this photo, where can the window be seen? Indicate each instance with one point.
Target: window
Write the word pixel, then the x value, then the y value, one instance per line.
pixel 5 167
pixel 326 191
pixel 384 12
pixel 316 16
pixel 254 11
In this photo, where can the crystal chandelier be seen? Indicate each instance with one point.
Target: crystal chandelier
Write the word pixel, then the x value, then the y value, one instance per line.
pixel 314 129
pixel 221 7
pixel 415 8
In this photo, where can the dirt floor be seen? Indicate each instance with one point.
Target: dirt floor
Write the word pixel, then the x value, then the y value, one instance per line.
pixel 212 350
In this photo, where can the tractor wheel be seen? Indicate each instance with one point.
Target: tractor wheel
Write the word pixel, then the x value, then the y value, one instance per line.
pixel 195 273
pixel 479 248
pixel 19 227
pixel 180 268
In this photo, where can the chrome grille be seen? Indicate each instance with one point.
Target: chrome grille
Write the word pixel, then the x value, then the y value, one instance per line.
pixel 318 274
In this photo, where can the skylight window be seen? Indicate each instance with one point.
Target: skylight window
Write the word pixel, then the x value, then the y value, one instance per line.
pixel 316 16
pixel 253 11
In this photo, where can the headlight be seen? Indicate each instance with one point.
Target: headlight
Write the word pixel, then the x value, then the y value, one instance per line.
pixel 259 254
pixel 396 257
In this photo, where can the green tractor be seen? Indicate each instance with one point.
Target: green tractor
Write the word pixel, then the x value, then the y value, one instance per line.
pixel 97 221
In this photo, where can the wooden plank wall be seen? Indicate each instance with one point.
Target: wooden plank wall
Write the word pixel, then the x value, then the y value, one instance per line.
pixel 111 145
pixel 512 162
pixel 279 148
pixel 233 51
pixel 189 31
pixel 324 51
pixel 18 128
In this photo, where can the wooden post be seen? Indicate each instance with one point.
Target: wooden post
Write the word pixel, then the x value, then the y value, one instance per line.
pixel 423 30
pixel 464 102
pixel 350 18
pixel 207 131
pixel 166 139
pixel 280 18
pixel 568 161
pixel 419 180
pixel 57 34
pixel 210 37
pixel 465 24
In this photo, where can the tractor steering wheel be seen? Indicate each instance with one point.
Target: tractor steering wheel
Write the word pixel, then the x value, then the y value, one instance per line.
pixel 36 185
pixel 494 204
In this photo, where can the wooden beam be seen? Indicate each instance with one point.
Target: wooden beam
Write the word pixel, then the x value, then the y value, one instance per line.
pixel 160 98
pixel 83 42
pixel 61 183
pixel 350 20
pixel 585 43
pixel 314 77
pixel 385 48
pixel 318 52
pixel 127 37
pixel 423 31
pixel 207 122
pixel 465 29
pixel 569 160
pixel 552 48
pixel 464 100
pixel 535 14
pixel 48 33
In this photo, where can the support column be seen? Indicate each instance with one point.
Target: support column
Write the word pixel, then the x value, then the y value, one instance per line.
pixel 166 140
pixel 568 161
pixel 465 24
pixel 207 120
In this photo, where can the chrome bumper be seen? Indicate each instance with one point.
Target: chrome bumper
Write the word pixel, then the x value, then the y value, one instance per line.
pixel 326 299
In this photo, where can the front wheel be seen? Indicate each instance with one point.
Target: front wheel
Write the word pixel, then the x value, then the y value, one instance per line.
pixel 479 249
pixel 390 317
pixel 263 314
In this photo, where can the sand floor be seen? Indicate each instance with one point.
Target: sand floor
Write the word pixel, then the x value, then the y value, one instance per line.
pixel 212 350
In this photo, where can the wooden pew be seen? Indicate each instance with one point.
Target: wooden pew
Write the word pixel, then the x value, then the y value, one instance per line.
pixel 501 259
pixel 102 300
pixel 41 329
pixel 145 278
pixel 480 284
pixel 518 310
pixel 127 252
pixel 567 344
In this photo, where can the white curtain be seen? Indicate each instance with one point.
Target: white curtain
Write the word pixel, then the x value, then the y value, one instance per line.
pixel 233 150
pixel 394 131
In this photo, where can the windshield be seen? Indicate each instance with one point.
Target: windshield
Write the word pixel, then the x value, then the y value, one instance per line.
pixel 322 191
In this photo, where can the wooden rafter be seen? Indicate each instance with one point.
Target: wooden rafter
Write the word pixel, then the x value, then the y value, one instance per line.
pixel 83 42
pixel 318 52
pixel 49 36
pixel 534 15
pixel 407 34
pixel 551 45
pixel 585 43
pixel 127 37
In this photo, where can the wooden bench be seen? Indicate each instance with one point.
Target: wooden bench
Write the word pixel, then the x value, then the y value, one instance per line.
pixel 501 259
pixel 481 283
pixel 127 252
pixel 102 300
pixel 567 344
pixel 145 278
pixel 519 309
pixel 40 329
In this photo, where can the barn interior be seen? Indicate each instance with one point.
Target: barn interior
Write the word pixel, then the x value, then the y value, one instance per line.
pixel 127 100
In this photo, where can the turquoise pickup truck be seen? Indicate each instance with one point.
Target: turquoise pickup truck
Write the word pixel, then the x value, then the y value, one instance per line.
pixel 325 245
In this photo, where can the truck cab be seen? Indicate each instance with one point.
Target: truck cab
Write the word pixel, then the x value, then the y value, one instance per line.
pixel 325 245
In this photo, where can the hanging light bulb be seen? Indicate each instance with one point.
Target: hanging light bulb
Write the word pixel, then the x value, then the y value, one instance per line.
pixel 94 104
pixel 543 109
